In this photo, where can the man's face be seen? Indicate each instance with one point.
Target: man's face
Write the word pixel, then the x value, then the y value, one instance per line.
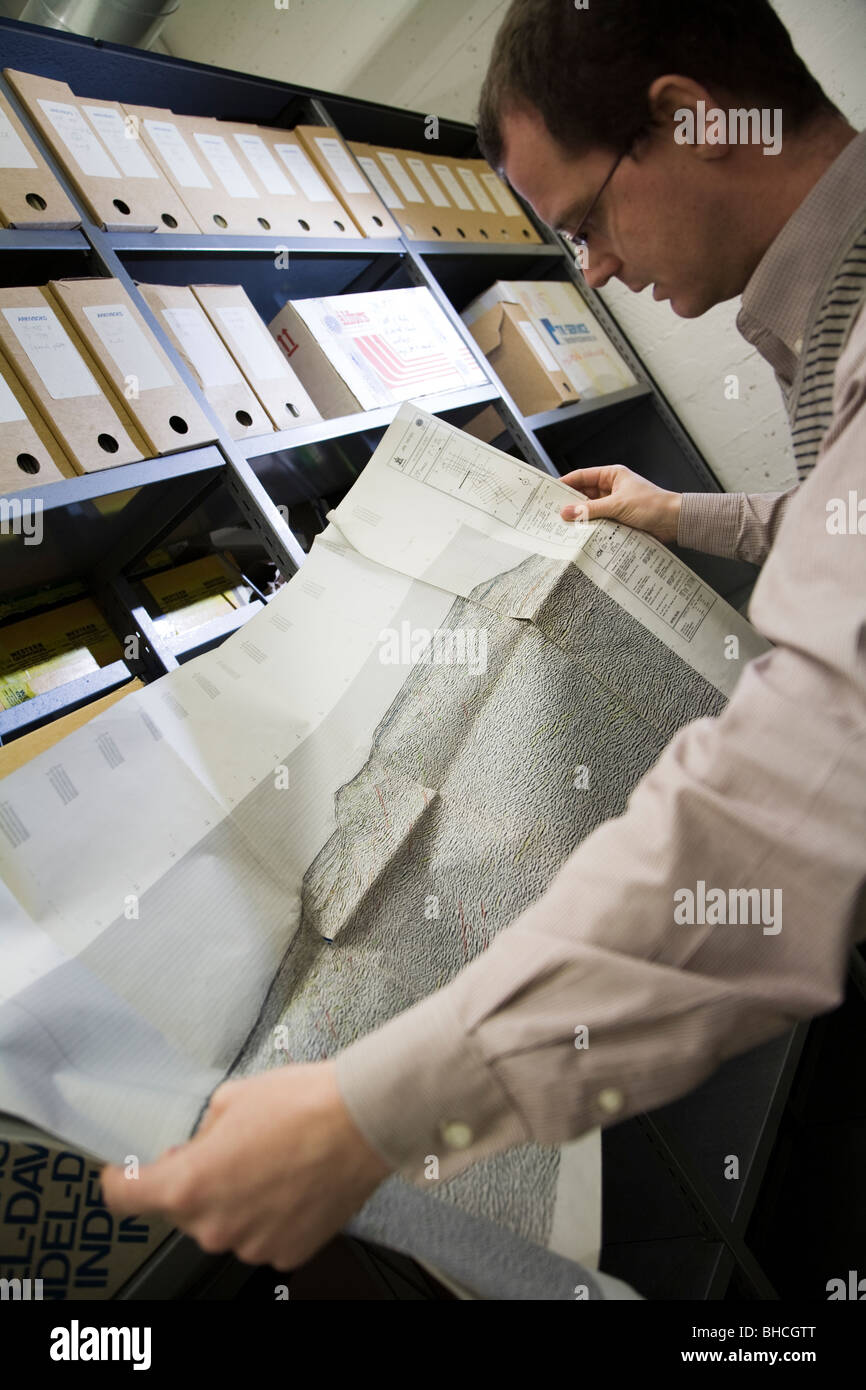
pixel 664 218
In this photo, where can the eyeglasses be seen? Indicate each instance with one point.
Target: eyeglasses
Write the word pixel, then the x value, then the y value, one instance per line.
pixel 578 238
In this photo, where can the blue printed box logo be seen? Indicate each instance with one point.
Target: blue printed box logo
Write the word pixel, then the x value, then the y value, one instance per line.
pixel 565 332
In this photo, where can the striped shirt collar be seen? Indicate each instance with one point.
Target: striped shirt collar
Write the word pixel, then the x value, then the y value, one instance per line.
pixel 780 293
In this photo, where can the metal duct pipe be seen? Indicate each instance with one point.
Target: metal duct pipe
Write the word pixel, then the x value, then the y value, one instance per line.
pixel 136 23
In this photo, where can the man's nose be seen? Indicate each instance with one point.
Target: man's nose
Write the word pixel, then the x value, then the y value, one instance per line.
pixel 598 269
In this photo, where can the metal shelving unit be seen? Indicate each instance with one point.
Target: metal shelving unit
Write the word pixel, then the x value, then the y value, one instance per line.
pixel 339 426
pixel 12 240
pixel 97 527
pixel 547 419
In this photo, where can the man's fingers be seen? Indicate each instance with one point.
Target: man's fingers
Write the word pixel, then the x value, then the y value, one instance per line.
pixel 592 482
pixel 582 478
pixel 583 489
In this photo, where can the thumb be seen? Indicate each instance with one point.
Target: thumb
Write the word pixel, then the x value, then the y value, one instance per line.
pixel 592 508
pixel 151 1189
pixel 217 1106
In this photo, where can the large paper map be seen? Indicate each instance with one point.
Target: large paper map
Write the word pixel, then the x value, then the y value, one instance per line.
pixel 288 840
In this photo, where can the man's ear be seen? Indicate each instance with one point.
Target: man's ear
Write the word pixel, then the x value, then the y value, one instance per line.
pixel 681 109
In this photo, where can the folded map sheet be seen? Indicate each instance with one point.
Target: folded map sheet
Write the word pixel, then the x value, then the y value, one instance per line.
pixel 289 839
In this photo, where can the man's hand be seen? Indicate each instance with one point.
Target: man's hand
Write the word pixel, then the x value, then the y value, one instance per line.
pixel 275 1169
pixel 615 492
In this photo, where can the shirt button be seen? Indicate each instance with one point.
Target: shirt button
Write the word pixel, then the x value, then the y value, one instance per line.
pixel 610 1100
pixel 798 346
pixel 457 1135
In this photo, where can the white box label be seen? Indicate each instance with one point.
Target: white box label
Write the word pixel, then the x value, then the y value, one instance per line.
pixel 253 341
pixel 400 177
pixel 428 183
pixel 201 343
pixel 447 177
pixel 177 154
pixel 59 364
pixel 267 168
pixel 502 194
pixel 222 160
pixel 118 140
pixel 128 347
pixel 349 177
pixel 14 154
pixel 539 347
pixel 10 408
pixel 91 157
pixel 385 190
pixel 310 183
pixel 471 182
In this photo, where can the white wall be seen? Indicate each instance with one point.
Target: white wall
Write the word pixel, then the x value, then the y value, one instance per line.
pixel 430 55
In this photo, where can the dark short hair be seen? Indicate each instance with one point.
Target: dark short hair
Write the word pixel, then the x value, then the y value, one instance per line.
pixel 587 71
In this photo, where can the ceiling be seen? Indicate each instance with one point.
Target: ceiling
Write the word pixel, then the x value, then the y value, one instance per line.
pixel 427 55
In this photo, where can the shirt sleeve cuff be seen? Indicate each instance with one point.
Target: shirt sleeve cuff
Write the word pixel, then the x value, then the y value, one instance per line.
pixel 710 521
pixel 418 1089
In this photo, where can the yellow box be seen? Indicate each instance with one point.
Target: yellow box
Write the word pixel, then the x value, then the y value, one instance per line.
pixel 46 651
pixel 195 593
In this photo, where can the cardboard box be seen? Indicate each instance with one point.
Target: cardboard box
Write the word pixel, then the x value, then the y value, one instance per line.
pixel 471 223
pixel 114 199
pixel 30 195
pixel 514 225
pixel 196 157
pixel 413 212
pixel 167 149
pixel 54 1224
pixel 568 328
pixel 487 214
pixel 18 605
pixel 286 207
pixel 14 755
pixel 52 648
pixel 65 383
pixel 346 180
pixel 208 359
pixel 488 425
pixel 376 177
pixel 153 192
pixel 406 188
pixel 143 377
pixel 521 359
pixel 246 336
pixel 445 220
pixel 29 453
pixel 188 595
pixel 359 351
pixel 319 212
pixel 431 202
pixel 238 196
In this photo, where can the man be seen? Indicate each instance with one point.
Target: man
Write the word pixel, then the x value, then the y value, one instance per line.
pixel 580 110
